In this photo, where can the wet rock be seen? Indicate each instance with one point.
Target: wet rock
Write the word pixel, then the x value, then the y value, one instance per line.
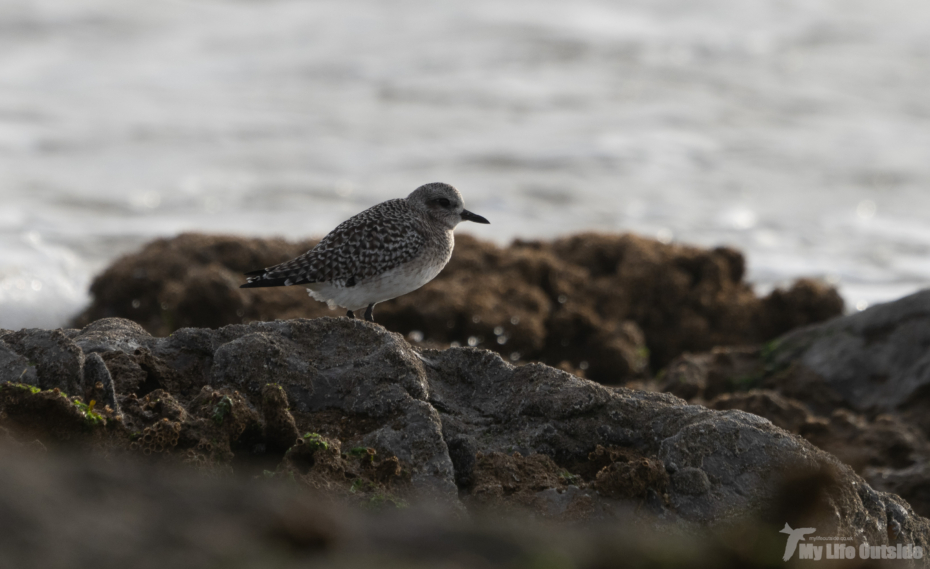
pixel 612 306
pixel 222 422
pixel 112 335
pixel 14 368
pixel 318 461
pixel 501 482
pixel 542 410
pixel 152 286
pixel 207 296
pixel 854 386
pixel 691 481
pixel 875 360
pixel 322 464
pixel 788 414
pixel 98 384
pixel 142 412
pixel 351 367
pixel 341 369
pixel 58 361
pixel 280 429
pixel 603 485
pixel 463 452
pixel 632 479
pixel 684 298
pixel 109 514
pixel 806 302
pixel 572 504
pixel 48 416
pixel 127 375
pixel 800 383
pixel 861 442
pixel 255 360
pixel 141 372
pixel 912 481
pixel 415 438
pixel 159 374
pixel 205 432
pixel 703 376
pixel 161 436
pixel 540 431
pixel 885 443
pixel 8 441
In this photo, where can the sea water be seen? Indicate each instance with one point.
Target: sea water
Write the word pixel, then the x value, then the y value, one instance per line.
pixel 795 130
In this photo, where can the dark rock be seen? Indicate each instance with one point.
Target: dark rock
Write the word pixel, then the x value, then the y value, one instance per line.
pixel 502 482
pixel 58 361
pixel 98 384
pixel 49 416
pixel 254 360
pixel 141 372
pixel 806 302
pixel 15 368
pixel 703 376
pixel 783 412
pixel 328 365
pixel 378 413
pixel 207 297
pixel 534 409
pixel 861 442
pixel 609 306
pixel 876 360
pixel 632 479
pixel 110 514
pixel 151 286
pixel 854 386
pixel 112 335
pixel 224 421
pixel 572 504
pixel 463 451
pixel 884 445
pixel 127 375
pixel 691 481
pixel 912 481
pixel 280 429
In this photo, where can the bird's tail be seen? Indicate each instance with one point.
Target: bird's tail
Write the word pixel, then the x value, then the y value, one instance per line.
pixel 258 279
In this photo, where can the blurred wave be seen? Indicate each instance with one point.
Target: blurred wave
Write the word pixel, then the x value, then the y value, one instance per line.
pixel 795 130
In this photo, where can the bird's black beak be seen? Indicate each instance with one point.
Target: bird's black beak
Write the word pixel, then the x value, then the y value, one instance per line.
pixel 469 216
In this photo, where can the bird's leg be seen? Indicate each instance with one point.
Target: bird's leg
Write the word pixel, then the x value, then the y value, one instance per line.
pixel 369 314
pixel 350 314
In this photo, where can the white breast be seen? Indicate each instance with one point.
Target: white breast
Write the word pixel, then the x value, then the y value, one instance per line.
pixel 390 284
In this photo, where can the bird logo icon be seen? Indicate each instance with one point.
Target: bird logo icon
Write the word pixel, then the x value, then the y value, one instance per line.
pixel 794 535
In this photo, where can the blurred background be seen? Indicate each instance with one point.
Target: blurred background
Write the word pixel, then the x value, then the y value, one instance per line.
pixel 795 130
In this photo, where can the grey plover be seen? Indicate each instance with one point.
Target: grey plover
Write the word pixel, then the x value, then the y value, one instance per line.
pixel 387 250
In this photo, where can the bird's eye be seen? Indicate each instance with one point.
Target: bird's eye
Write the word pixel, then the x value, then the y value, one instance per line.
pixel 443 202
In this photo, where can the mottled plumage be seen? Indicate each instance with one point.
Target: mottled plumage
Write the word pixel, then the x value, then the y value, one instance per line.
pixel 383 252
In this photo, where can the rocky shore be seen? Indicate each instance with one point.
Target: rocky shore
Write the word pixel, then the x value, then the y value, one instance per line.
pixel 608 307
pixel 711 418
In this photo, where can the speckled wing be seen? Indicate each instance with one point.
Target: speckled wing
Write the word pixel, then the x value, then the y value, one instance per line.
pixel 370 243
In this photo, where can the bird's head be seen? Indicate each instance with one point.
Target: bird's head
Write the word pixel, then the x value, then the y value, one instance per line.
pixel 443 203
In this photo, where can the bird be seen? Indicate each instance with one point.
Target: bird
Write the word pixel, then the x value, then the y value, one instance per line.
pixel 386 251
